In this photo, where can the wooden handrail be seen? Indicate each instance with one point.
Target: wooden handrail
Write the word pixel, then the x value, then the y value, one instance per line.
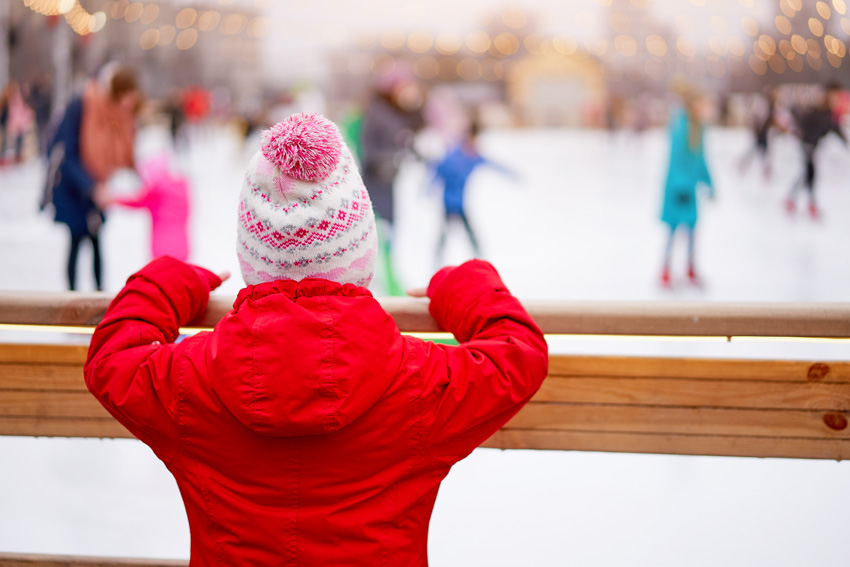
pixel 39 560
pixel 824 320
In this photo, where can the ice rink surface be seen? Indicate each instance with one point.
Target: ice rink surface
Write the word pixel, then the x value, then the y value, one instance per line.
pixel 580 222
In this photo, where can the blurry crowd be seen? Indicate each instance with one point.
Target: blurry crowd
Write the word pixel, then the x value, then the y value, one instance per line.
pixel 85 143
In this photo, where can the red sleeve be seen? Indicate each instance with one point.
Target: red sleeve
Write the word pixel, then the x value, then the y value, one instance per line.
pixel 132 365
pixel 472 390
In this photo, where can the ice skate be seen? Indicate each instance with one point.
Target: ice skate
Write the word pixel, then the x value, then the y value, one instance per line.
pixel 790 207
pixel 666 283
pixel 814 212
pixel 693 278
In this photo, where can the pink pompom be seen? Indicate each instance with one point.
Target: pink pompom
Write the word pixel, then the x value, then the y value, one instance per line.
pixel 303 146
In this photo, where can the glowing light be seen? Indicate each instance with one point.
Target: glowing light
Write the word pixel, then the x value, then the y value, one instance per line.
pixel 796 4
pixel 823 10
pixel 777 64
pixel 64 6
pixel 426 67
pixel 796 64
pixel 258 27
pixel 786 49
pixel 149 38
pixel 97 22
pixel 845 25
pixel 625 45
pixel 118 9
pixel 685 47
pixel 750 25
pixel 478 41
pixel 736 46
pixel 815 26
pixel 134 11
pixel 758 66
pixel 447 43
pixel 469 69
pixel 234 23
pixel 506 43
pixel 420 41
pixel 835 46
pixel 783 24
pixel 814 62
pixel 166 34
pixel 209 20
pixel 393 39
pixel 656 45
pixel 492 70
pixel 149 14
pixel 767 44
pixel 535 44
pixel 840 6
pixel 813 49
pixel 787 8
pixel 798 42
pixel 717 45
pixel 186 39
pixel 834 60
pixel 514 18
pixel 448 68
pixel 564 45
pixel 186 17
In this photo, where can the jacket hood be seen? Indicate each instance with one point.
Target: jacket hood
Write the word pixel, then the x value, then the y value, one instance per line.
pixel 303 357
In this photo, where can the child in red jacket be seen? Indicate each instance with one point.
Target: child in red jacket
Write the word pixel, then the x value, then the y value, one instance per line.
pixel 305 429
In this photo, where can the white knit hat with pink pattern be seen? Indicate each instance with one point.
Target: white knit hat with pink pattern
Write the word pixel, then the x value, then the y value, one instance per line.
pixel 304 211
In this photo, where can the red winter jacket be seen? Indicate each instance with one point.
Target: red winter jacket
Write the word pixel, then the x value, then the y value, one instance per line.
pixel 305 429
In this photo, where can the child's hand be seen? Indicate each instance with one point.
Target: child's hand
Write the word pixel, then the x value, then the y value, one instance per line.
pixel 418 292
pixel 224 276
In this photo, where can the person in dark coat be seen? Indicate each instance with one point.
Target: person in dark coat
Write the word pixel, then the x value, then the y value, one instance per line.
pixel 814 125
pixel 389 126
pixel 95 124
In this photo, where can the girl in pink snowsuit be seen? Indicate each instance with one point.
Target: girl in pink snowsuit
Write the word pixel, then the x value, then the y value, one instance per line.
pixel 166 196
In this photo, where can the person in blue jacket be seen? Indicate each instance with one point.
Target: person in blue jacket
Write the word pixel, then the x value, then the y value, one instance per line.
pixel 454 171
pixel 89 144
pixel 687 171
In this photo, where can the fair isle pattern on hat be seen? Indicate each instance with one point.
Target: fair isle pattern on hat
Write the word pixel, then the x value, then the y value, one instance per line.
pixel 304 211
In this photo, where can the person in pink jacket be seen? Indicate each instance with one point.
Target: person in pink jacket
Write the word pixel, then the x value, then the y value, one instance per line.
pixel 166 196
pixel 305 429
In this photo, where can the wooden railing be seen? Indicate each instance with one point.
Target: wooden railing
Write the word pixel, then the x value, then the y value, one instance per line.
pixel 758 408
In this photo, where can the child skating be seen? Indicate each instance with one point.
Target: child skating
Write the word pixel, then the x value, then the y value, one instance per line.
pixel 687 171
pixel 454 171
pixel 305 429
pixel 165 195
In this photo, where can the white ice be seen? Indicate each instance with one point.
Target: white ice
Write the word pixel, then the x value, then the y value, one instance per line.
pixel 579 223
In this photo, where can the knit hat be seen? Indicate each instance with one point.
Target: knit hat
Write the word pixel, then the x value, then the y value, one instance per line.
pixel 303 210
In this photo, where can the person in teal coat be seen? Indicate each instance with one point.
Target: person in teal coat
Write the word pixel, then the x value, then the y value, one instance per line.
pixel 686 172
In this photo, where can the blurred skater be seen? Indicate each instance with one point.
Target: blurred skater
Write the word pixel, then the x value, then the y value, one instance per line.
pixel 165 195
pixel 813 125
pixel 454 171
pixel 764 119
pixel 390 123
pixel 16 119
pixel 94 139
pixel 686 171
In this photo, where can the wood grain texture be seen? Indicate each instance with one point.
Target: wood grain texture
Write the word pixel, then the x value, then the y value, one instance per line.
pixel 696 368
pixel 42 426
pixel 37 560
pixel 671 444
pixel 752 394
pixel 577 317
pixel 663 420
